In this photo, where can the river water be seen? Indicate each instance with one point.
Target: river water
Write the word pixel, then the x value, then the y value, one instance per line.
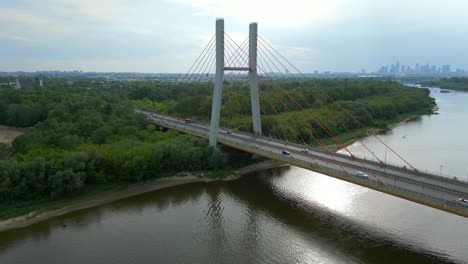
pixel 284 215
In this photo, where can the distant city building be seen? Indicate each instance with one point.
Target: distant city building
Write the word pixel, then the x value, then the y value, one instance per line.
pixel 418 69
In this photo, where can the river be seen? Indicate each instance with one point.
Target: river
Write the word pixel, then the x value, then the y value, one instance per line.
pixel 284 215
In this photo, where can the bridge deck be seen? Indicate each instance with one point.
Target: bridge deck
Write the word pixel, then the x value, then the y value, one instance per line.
pixel 428 189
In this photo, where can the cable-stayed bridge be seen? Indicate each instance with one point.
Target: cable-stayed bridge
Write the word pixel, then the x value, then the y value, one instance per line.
pixel 254 61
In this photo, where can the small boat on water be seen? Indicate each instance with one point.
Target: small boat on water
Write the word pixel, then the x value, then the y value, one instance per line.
pixel 444 91
pixel 463 201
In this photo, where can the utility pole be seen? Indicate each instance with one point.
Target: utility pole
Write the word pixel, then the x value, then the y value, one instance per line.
pixel 385 159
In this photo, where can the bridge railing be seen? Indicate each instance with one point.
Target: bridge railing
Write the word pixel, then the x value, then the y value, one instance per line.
pixel 404 169
pixel 400 178
pixel 387 166
pixel 394 189
pixel 390 188
pixel 397 190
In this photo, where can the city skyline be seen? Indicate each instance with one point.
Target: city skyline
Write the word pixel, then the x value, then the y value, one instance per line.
pixel 166 36
pixel 396 68
pixel 419 68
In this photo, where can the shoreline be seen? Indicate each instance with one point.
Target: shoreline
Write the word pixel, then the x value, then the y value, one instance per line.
pixel 95 200
pixel 8 134
pixel 377 131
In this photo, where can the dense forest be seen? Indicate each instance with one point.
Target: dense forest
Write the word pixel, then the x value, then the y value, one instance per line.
pixel 288 108
pixel 80 137
pixel 82 132
pixel 454 83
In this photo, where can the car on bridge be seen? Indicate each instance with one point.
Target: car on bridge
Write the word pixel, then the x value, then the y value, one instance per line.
pixel 285 152
pixel 463 201
pixel 229 132
pixel 361 174
pixel 305 150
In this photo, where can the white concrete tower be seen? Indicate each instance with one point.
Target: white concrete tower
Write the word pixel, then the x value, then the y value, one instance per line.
pixel 219 78
pixel 218 85
pixel 253 79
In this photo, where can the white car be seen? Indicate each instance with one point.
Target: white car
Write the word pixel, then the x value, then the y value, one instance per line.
pixel 305 150
pixel 361 174
pixel 463 201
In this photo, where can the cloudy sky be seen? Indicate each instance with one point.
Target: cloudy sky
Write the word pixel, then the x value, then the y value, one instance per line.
pixel 168 35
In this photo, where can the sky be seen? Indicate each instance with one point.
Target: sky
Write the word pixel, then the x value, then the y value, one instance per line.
pixel 168 35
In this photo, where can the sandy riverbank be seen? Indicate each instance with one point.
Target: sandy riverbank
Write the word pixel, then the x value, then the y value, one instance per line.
pixel 81 203
pixel 8 134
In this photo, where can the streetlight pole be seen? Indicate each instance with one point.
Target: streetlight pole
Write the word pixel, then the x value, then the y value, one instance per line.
pixel 385 164
pixel 440 170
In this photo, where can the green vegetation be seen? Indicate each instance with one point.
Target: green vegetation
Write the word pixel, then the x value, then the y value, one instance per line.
pixel 454 83
pixel 376 104
pixel 81 138
pixel 83 135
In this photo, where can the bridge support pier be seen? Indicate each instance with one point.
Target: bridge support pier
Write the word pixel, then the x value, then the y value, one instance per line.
pixel 253 79
pixel 218 85
pixel 219 78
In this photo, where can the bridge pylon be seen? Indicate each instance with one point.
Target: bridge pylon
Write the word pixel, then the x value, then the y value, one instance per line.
pixel 219 78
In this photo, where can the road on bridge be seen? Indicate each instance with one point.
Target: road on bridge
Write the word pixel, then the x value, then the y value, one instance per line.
pixel 424 188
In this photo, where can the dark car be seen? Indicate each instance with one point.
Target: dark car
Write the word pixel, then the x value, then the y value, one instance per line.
pixel 285 152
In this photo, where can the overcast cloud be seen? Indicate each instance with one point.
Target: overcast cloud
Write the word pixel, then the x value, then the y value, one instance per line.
pixel 167 36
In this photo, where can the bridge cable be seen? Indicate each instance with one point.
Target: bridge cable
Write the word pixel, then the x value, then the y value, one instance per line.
pixel 207 45
pixel 316 99
pixel 265 113
pixel 344 110
pixel 321 124
pixel 329 132
pixel 332 156
pixel 236 54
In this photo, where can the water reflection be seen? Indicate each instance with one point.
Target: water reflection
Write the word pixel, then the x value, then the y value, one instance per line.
pixel 261 218
pixel 433 143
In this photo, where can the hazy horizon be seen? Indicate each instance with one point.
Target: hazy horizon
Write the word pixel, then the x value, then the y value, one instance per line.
pixel 167 36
